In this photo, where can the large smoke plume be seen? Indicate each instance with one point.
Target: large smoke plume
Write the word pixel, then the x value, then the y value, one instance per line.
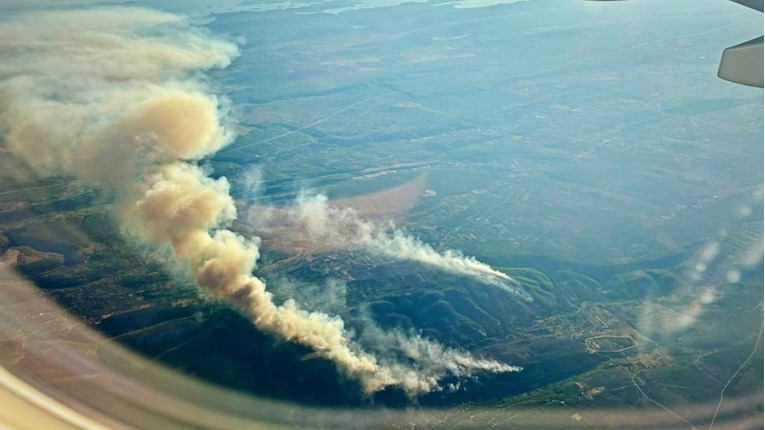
pixel 113 96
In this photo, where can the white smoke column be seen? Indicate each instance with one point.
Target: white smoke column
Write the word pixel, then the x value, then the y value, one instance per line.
pixel 419 363
pixel 313 219
pixel 398 245
pixel 108 96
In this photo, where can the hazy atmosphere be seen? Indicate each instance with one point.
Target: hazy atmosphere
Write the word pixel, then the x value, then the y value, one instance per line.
pixel 372 204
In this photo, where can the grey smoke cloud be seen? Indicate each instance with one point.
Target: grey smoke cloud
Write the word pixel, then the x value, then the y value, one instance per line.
pixel 113 97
